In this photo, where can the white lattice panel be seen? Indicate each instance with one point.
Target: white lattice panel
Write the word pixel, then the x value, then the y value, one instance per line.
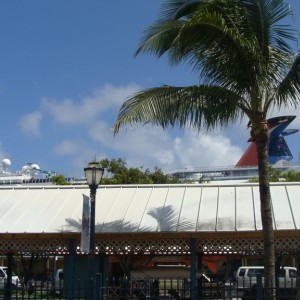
pixel 158 247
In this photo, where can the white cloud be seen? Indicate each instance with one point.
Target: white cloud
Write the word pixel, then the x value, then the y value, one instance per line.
pixel 89 107
pixel 150 147
pixel 145 146
pixel 67 147
pixel 77 153
pixel 93 115
pixel 30 124
pixel 196 150
pixel 3 153
pixel 76 148
pixel 102 132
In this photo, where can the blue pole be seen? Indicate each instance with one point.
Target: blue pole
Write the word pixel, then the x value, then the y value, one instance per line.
pixel 259 287
pixel 193 268
pixel 98 289
pixel 68 280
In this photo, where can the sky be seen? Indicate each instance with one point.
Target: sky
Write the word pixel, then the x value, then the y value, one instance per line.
pixel 65 69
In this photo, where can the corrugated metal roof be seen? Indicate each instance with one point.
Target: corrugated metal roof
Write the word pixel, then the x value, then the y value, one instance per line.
pixel 147 208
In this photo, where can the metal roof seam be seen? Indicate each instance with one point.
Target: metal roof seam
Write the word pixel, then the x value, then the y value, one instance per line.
pixel 130 202
pixel 199 208
pixel 273 214
pixel 36 215
pixel 253 206
pixel 162 212
pixel 116 197
pixel 217 210
pixel 235 210
pixel 6 212
pixel 291 209
pixel 46 208
pixel 180 210
pixel 145 208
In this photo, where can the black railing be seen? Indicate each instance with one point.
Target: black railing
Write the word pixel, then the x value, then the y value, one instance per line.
pixel 144 289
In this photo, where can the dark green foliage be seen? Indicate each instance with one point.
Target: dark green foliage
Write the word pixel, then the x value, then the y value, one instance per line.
pixel 292 176
pixel 59 180
pixel 276 175
pixel 117 172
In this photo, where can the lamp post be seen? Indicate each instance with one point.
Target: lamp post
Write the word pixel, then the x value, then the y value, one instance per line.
pixel 93 174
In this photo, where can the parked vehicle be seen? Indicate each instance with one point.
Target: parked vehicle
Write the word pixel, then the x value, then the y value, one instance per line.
pixel 175 281
pixel 58 282
pixel 16 282
pixel 246 277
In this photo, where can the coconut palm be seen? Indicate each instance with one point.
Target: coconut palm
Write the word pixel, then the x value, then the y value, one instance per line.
pixel 247 67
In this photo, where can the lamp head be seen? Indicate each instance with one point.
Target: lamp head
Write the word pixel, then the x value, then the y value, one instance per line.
pixel 93 173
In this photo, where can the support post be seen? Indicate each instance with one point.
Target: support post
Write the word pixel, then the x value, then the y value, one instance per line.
pixel 199 280
pixel 69 280
pixel 91 256
pixel 98 289
pixel 259 287
pixel 192 243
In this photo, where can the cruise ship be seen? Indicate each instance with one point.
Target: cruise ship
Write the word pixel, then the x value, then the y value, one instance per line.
pixel 30 173
pixel 280 157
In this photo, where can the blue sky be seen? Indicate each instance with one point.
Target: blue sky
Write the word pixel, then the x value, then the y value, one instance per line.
pixel 65 69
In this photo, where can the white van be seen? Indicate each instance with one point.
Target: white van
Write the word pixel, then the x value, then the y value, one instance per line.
pixel 58 281
pixel 3 278
pixel 246 276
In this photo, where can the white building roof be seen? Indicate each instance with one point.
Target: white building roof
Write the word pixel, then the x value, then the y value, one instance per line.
pixel 147 208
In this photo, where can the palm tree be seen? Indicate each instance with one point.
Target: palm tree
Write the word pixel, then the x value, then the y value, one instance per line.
pixel 247 67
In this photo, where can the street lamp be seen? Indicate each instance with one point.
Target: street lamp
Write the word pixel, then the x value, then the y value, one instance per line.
pixel 93 174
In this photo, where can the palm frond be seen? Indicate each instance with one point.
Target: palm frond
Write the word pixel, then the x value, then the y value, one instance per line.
pixel 288 90
pixel 198 42
pixel 265 19
pixel 176 9
pixel 159 38
pixel 239 47
pixel 211 39
pixel 198 107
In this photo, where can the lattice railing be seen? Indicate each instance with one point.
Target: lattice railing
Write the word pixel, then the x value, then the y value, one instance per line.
pixel 160 246
pixel 46 246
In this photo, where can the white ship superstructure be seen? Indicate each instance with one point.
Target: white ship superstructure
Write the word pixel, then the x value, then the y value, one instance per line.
pixel 30 173
pixel 279 154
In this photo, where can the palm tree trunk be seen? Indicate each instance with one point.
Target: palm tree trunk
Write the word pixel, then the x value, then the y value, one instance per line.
pixel 266 217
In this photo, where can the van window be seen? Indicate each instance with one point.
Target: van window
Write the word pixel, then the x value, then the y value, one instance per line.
pixel 242 272
pixel 282 273
pixel 293 273
pixel 254 272
pixel 5 270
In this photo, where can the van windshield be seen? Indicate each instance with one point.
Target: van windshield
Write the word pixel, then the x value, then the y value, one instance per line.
pixel 6 269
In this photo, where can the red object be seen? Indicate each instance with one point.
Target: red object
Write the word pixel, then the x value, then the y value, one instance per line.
pixel 249 158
